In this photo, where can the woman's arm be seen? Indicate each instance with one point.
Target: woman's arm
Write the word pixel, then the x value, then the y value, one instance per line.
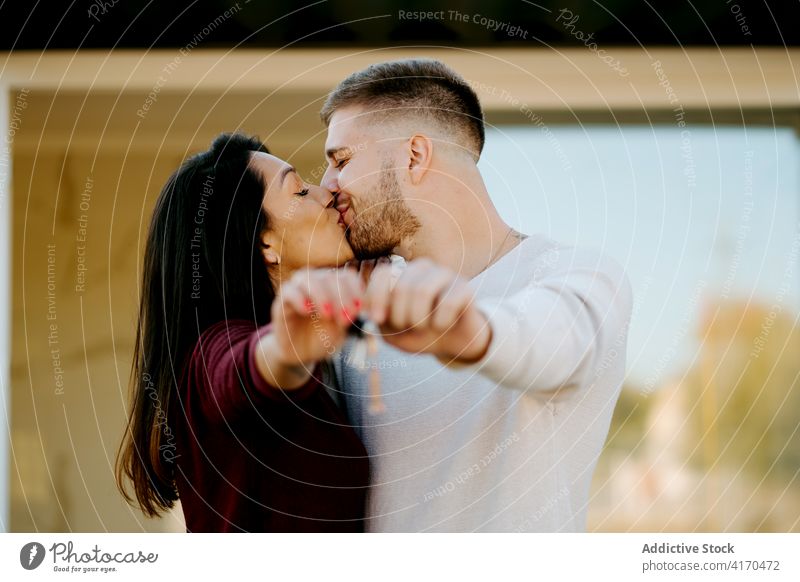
pixel 276 369
pixel 236 367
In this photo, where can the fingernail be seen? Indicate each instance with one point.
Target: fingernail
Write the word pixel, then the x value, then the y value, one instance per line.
pixel 309 306
pixel 327 309
pixel 357 304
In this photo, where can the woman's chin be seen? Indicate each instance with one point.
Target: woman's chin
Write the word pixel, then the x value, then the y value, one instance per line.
pixel 345 254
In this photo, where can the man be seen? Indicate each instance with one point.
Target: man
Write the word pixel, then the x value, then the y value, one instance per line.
pixel 502 354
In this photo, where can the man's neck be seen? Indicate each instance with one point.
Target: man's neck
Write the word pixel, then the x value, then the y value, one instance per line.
pixel 463 230
pixel 468 251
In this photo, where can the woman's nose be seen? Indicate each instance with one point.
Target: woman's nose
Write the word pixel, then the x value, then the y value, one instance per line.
pixel 323 196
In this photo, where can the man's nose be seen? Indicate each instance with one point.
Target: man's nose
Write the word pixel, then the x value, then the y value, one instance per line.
pixel 329 180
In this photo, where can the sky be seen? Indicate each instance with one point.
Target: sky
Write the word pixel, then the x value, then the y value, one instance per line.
pixel 693 214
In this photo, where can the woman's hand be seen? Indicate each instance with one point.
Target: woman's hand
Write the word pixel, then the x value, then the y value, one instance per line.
pixel 313 312
pixel 310 318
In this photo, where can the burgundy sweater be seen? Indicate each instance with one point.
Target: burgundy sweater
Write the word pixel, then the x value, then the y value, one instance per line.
pixel 251 457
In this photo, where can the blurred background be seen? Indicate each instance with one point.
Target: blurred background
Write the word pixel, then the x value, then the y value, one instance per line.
pixel 668 136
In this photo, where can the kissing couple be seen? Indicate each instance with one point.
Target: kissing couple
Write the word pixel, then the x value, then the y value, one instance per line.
pixel 380 352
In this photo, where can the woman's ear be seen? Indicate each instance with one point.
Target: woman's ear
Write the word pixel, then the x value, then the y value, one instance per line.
pixel 271 254
pixel 420 155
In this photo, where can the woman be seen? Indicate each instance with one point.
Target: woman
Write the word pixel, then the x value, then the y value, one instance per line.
pixel 229 413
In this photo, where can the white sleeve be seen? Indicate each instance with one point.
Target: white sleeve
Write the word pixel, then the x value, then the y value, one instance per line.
pixel 554 333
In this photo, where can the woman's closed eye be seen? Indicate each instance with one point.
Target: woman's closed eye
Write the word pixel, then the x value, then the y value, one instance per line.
pixel 302 192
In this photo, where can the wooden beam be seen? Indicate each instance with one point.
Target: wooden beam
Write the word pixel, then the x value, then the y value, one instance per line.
pixel 575 78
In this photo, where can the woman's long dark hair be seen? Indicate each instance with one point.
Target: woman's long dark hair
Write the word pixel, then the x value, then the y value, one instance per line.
pixel 202 264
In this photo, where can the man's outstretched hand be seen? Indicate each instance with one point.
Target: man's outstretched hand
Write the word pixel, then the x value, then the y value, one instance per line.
pixel 430 309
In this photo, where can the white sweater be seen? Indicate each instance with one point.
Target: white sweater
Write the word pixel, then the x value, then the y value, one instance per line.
pixel 510 443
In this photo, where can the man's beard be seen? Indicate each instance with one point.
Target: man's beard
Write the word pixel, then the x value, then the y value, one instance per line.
pixel 380 227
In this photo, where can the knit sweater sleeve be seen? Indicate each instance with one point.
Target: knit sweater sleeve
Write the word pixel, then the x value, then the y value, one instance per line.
pixel 554 334
pixel 225 376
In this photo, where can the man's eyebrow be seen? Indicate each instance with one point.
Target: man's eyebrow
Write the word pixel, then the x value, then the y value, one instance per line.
pixel 333 151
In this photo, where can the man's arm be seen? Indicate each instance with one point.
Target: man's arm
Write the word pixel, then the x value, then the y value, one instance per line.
pixel 543 338
pixel 556 331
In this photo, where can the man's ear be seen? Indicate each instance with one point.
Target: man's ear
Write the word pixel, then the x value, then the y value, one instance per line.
pixel 420 155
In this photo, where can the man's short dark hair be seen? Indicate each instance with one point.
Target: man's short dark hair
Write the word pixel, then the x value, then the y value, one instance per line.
pixel 418 86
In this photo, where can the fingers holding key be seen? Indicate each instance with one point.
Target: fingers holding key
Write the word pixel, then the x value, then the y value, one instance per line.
pixel 378 293
pixel 452 303
pixel 294 301
pixel 429 287
pixel 348 294
pixel 417 296
pixel 331 294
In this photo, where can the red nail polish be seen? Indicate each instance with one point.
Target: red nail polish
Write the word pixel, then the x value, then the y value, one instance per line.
pixel 357 304
pixel 309 306
pixel 327 309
